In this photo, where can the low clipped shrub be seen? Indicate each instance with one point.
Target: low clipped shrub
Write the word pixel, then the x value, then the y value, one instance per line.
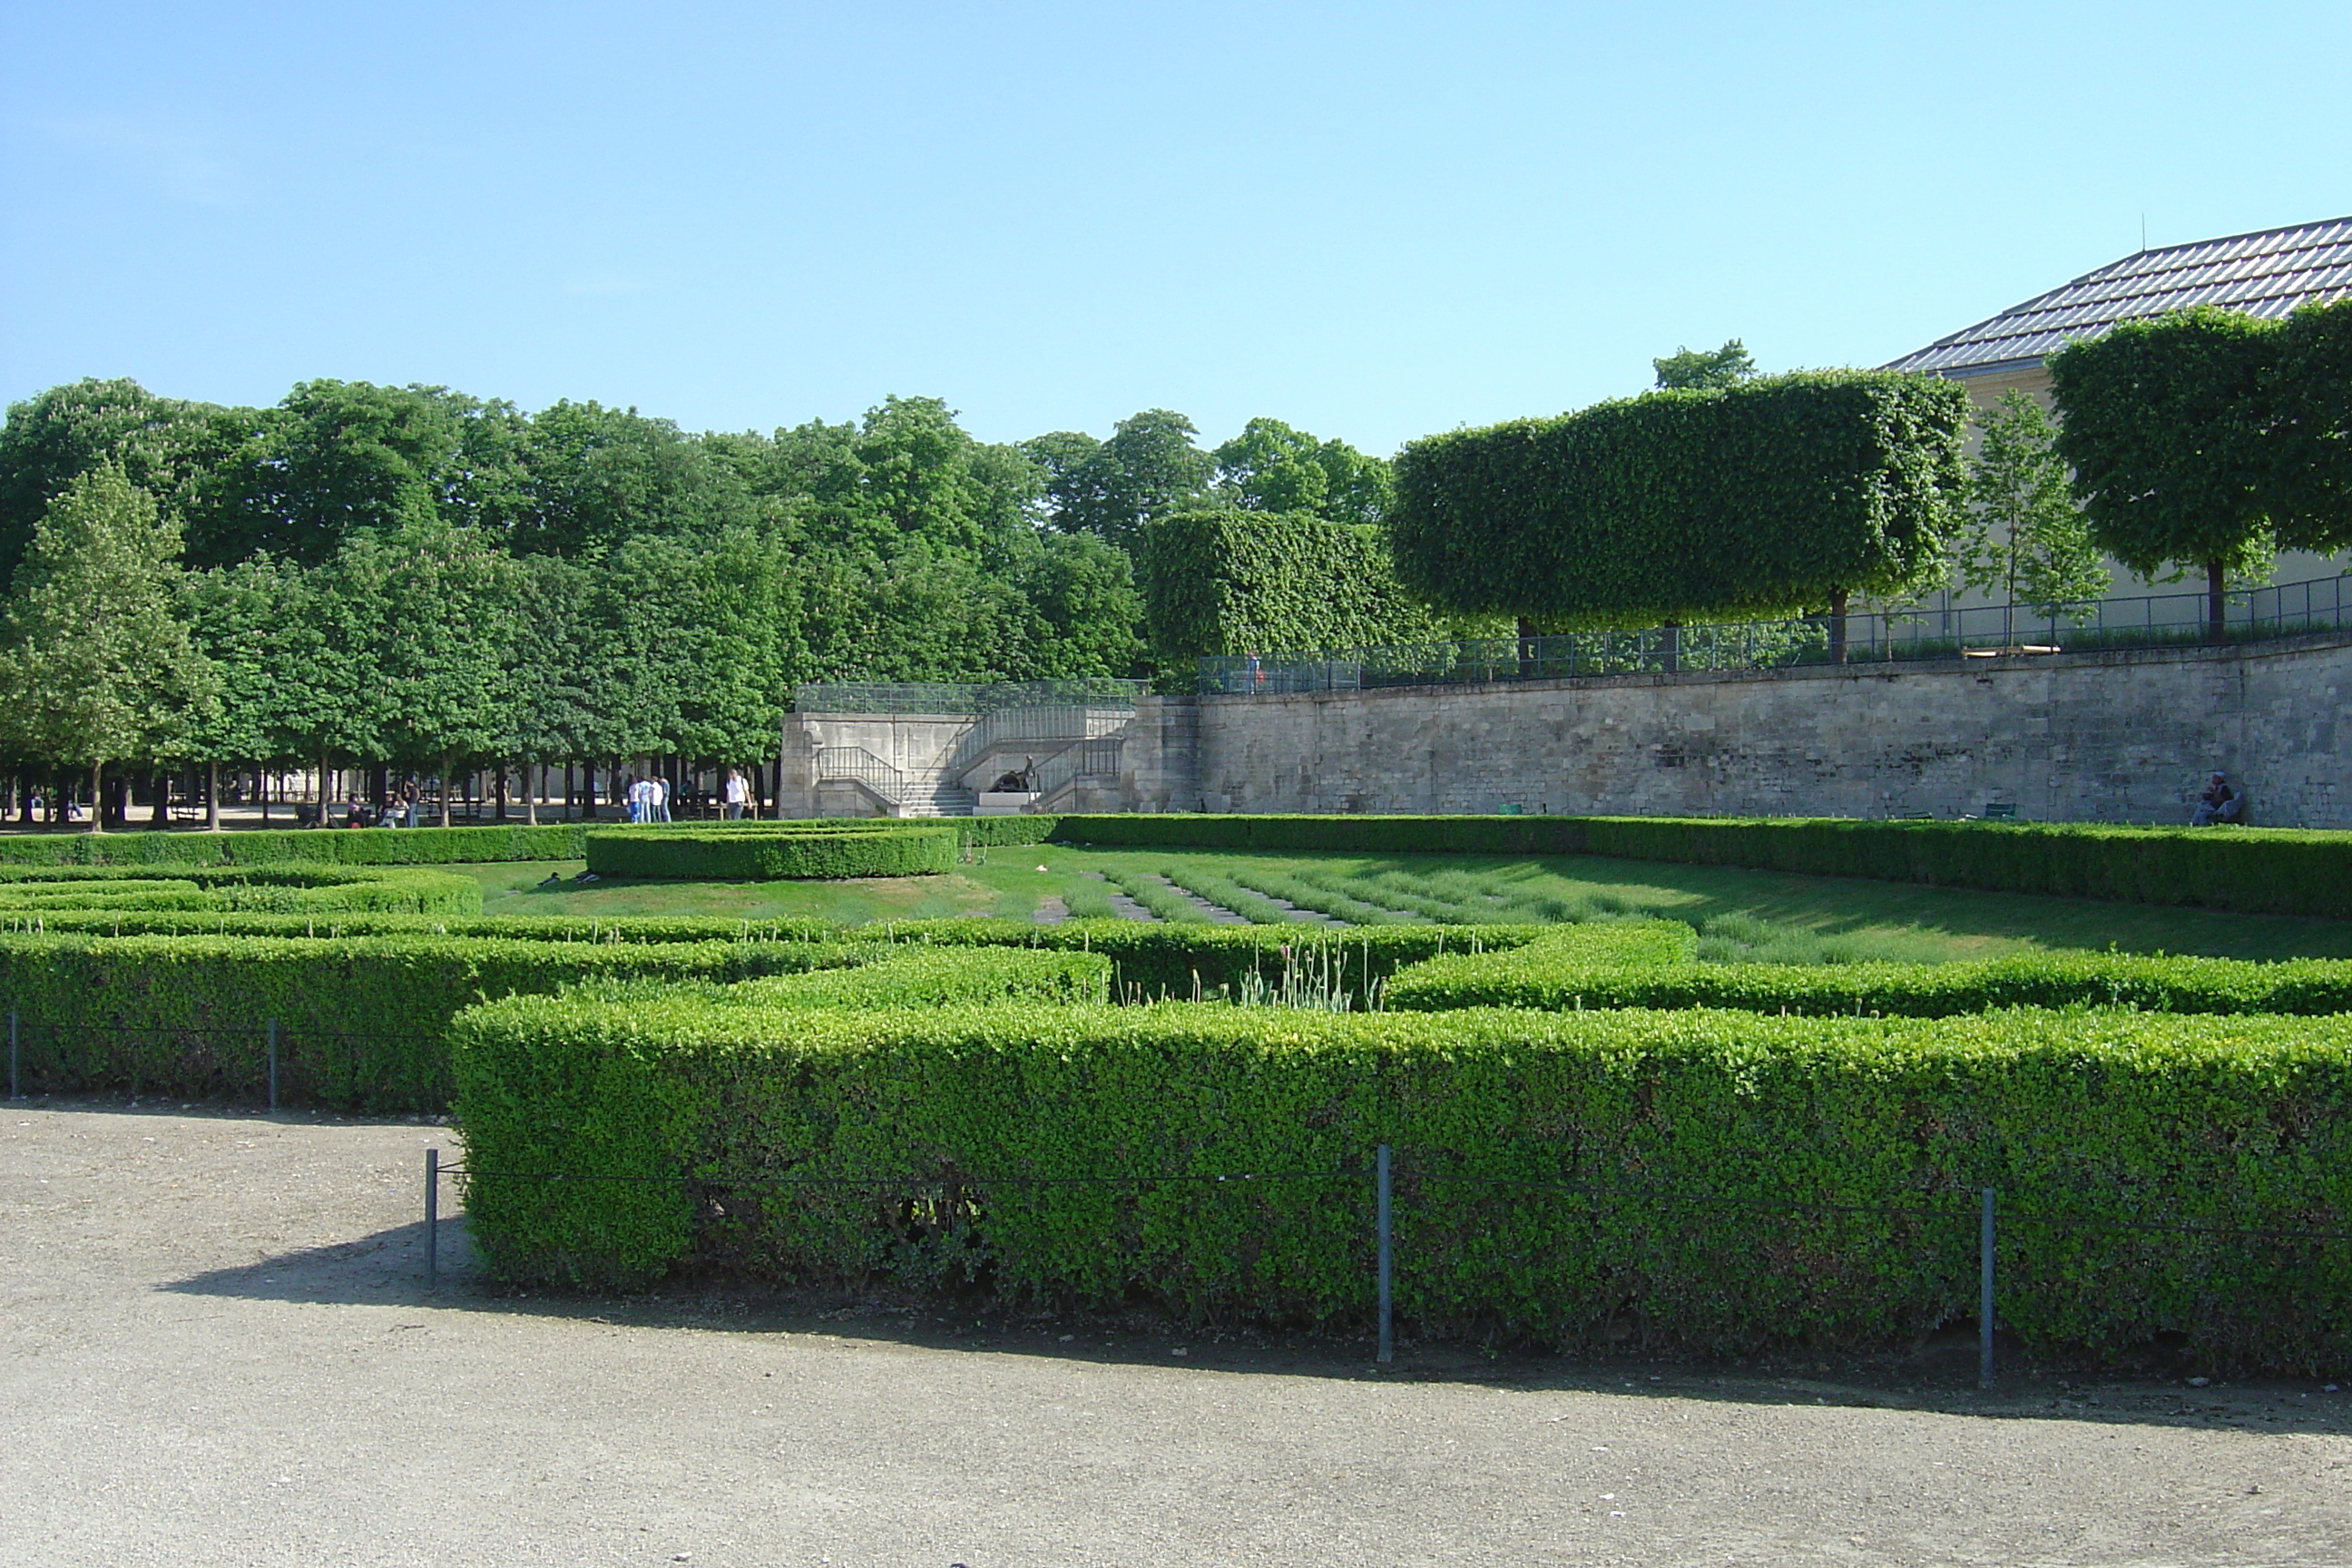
pixel 360 1021
pixel 783 850
pixel 291 889
pixel 1556 975
pixel 321 846
pixel 1843 1155
pixel 934 977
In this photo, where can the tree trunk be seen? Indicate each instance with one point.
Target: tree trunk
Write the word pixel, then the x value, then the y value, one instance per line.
pixel 2216 580
pixel 163 814
pixel 211 797
pixel 1527 632
pixel 530 776
pixel 98 798
pixel 500 815
pixel 446 762
pixel 1837 626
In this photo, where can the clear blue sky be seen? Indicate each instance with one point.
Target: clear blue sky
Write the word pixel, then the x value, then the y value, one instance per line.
pixel 1373 221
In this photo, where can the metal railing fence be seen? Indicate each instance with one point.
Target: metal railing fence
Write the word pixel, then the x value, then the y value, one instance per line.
pixel 836 763
pixel 962 697
pixel 1086 759
pixel 1975 631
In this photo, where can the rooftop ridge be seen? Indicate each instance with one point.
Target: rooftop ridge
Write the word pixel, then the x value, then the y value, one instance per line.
pixel 2264 272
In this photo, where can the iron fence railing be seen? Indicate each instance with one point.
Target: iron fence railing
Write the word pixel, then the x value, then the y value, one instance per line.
pixel 1086 759
pixel 952 697
pixel 856 763
pixel 1037 727
pixel 1975 631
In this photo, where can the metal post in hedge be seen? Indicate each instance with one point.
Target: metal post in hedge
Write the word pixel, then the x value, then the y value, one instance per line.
pixel 432 1218
pixel 1984 1290
pixel 273 1065
pixel 1380 1221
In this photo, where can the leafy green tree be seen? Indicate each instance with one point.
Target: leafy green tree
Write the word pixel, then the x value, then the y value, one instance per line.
pixel 101 667
pixel 593 476
pixel 249 621
pixel 334 458
pixel 1149 467
pixel 1780 496
pixel 1060 454
pixel 1087 615
pixel 2026 540
pixel 2308 487
pixel 1222 580
pixel 2167 427
pixel 168 447
pixel 1704 369
pixel 1271 467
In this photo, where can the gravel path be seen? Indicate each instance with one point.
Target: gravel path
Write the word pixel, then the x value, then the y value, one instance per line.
pixel 215 1349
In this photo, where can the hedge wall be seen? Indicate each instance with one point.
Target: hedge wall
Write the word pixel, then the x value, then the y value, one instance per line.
pixel 312 890
pixel 785 851
pixel 1224 581
pixel 1768 498
pixel 361 1021
pixel 1567 972
pixel 2111 1116
pixel 351 846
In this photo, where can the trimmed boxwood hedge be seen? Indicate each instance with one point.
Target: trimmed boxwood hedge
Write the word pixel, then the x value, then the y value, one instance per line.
pixel 770 852
pixel 681 1113
pixel 313 889
pixel 1562 974
pixel 318 846
pixel 361 1021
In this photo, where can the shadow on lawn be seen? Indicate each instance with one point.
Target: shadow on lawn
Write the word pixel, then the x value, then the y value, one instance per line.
pixel 387 1269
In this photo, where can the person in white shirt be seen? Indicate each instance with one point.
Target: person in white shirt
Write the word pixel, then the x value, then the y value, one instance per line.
pixel 739 794
pixel 658 799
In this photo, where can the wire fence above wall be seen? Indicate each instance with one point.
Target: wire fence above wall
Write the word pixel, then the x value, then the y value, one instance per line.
pixel 1976 631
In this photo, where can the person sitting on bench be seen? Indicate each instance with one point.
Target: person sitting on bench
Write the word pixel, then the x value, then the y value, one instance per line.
pixel 2220 805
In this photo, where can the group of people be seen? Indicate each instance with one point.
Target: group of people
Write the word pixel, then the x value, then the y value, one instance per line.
pixel 647 799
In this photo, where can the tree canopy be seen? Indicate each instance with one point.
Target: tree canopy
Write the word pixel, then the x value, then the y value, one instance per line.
pixel 1705 370
pixel 1779 496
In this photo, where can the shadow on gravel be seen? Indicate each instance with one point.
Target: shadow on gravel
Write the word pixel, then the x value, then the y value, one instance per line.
pixel 387 1269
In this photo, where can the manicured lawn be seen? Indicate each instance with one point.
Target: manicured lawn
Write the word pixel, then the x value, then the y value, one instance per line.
pixel 1739 913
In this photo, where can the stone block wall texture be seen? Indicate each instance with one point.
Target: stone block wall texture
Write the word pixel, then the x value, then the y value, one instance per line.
pixel 2126 736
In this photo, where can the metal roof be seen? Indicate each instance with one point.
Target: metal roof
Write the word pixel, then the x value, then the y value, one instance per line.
pixel 2265 274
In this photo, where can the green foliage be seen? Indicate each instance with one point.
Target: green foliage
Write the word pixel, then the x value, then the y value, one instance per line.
pixel 360 1019
pixel 943 1114
pixel 296 888
pixel 1705 370
pixel 1776 496
pixel 2166 426
pixel 1227 581
pixel 355 847
pixel 99 666
pixel 2025 541
pixel 934 977
pixel 1579 967
pixel 1147 470
pixel 761 852
pixel 2253 870
pixel 1270 466
pixel 2309 483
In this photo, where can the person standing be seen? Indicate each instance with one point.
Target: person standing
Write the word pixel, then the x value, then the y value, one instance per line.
pixel 738 792
pixel 633 799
